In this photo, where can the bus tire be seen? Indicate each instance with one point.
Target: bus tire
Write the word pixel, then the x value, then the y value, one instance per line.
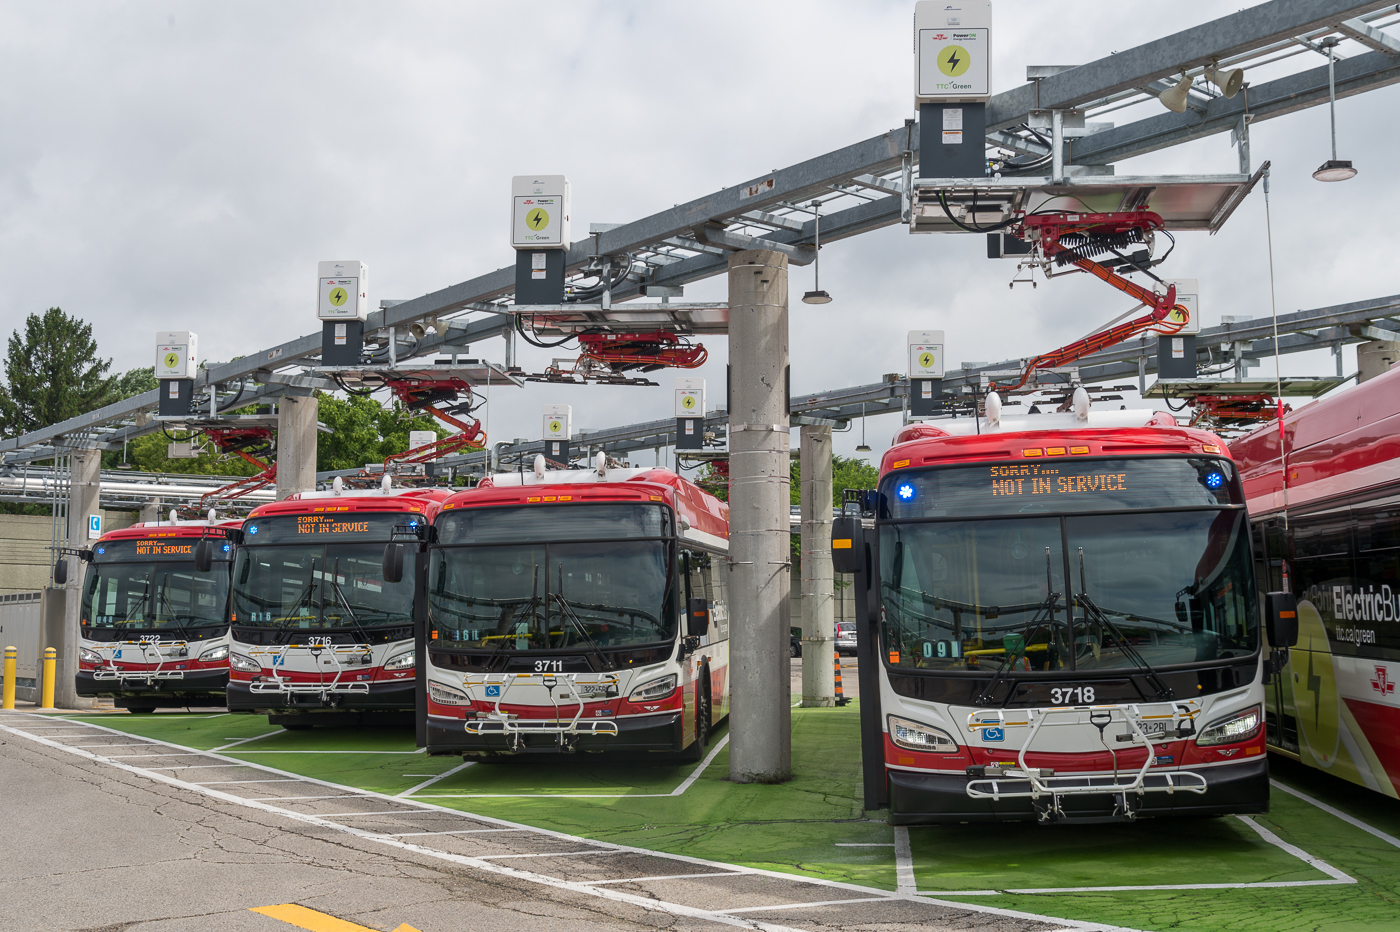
pixel 696 752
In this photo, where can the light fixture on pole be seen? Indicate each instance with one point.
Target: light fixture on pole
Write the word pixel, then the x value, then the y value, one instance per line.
pixel 1334 169
pixel 1174 98
pixel 816 295
pixel 862 447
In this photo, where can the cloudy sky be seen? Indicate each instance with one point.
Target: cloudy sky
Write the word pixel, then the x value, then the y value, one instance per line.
pixel 185 165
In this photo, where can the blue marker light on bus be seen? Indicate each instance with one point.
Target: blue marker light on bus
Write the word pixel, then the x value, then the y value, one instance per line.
pixel 226 548
pixel 1214 480
pixel 413 523
pixel 906 492
pixel 252 529
pixel 101 549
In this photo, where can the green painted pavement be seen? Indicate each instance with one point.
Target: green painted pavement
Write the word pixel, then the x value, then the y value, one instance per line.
pixel 804 826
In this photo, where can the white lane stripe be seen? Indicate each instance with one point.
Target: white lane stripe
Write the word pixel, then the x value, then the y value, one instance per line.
pixel 252 751
pixel 686 784
pixel 442 776
pixel 134 756
pixel 814 904
pixel 1350 820
pixel 865 844
pixel 194 767
pixel 664 877
pixel 347 815
pixel 232 782
pixel 903 862
pixel 459 831
pixel 1171 886
pixel 332 796
pixel 576 886
pixel 224 747
pixel 963 892
pixel 1299 853
pixel 549 854
pixel 141 744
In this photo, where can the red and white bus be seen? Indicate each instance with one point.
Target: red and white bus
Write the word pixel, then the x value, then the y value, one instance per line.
pixel 578 610
pixel 153 631
pixel 319 636
pixel 1058 621
pixel 1330 534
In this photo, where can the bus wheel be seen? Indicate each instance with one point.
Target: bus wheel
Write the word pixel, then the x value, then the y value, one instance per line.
pixel 696 751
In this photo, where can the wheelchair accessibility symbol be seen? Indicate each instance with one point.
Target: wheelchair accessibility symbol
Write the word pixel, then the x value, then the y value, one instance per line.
pixel 993 734
pixel 493 690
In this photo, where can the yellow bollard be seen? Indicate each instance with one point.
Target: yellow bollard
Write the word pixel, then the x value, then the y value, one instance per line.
pixel 11 654
pixel 50 671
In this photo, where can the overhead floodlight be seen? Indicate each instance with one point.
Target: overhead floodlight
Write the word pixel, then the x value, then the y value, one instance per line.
pixel 816 295
pixel 1229 81
pixel 1174 98
pixel 1334 169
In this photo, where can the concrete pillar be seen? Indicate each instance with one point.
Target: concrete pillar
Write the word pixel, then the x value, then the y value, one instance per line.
pixel 150 512
pixel 1375 357
pixel 818 592
pixel 760 578
pixel 83 500
pixel 296 445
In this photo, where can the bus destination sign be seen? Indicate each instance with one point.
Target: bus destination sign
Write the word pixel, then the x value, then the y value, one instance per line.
pixel 164 548
pixel 332 524
pixel 1037 479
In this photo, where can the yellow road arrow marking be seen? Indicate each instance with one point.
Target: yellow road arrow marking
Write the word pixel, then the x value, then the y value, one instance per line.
pixel 310 919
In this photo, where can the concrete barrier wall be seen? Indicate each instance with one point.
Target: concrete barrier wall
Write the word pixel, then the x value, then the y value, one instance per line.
pixel 25 559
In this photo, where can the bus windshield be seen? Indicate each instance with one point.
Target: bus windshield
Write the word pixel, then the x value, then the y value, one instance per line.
pixel 556 591
pixel 320 586
pixel 1054 593
pixel 155 596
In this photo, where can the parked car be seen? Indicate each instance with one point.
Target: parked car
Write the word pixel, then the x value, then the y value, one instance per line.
pixel 845 637
pixel 795 644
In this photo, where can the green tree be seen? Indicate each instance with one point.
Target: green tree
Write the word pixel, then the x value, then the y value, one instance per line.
pixel 52 373
pixel 134 382
pixel 365 431
pixel 846 473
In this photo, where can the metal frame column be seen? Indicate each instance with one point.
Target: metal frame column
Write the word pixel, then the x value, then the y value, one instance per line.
pixel 84 498
pixel 818 612
pixel 296 444
pixel 760 536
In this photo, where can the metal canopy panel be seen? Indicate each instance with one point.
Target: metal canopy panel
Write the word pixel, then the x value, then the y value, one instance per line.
pixel 1186 202
pixel 631 317
pixel 198 422
pixel 1292 387
pixel 472 372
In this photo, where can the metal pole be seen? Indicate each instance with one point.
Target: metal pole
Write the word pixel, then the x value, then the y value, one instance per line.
pixel 760 579
pixel 84 498
pixel 818 619
pixel 296 445
pixel 1331 44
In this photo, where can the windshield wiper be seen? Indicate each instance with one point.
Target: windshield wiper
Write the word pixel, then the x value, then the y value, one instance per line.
pixel 1091 610
pixel 310 587
pixel 1048 607
pixel 340 594
pixel 165 594
pixel 567 611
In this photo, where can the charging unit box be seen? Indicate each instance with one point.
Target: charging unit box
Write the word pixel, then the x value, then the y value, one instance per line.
pixel 926 369
pixel 952 52
pixel 1176 357
pixel 539 215
pixel 690 414
pixel 1188 295
pixel 177 362
pixel 557 429
pixel 342 304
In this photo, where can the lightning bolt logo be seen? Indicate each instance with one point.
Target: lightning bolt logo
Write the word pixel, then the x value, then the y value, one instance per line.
pixel 953 61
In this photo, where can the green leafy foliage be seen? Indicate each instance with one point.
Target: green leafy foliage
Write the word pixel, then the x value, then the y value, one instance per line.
pixel 134 382
pixel 846 473
pixel 52 373
pixel 365 431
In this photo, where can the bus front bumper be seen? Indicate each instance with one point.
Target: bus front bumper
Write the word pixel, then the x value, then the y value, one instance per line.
pixel 640 733
pixel 394 696
pixel 201 687
pixel 940 798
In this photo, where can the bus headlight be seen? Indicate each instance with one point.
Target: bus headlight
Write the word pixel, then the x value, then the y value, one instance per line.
pixel 1239 727
pixel 653 689
pixel 89 656
pixel 446 695
pixel 403 661
pixel 244 664
pixel 215 653
pixel 917 737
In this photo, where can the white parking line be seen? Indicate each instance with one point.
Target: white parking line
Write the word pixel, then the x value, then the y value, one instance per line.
pixel 903 861
pixel 231 782
pixel 1299 853
pixel 231 744
pixel 663 877
pixel 1350 820
pixel 761 909
pixel 442 776
pixel 865 844
pixel 550 854
pixel 332 796
pixel 460 831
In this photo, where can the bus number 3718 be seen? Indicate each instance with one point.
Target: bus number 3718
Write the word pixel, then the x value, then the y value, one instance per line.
pixel 1071 695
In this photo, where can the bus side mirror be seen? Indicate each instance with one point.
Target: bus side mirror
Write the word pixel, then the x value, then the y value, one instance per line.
pixel 203 555
pixel 393 563
pixel 60 572
pixel 697 618
pixel 847 544
pixel 1281 619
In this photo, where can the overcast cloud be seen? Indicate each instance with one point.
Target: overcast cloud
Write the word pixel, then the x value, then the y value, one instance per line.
pixel 185 165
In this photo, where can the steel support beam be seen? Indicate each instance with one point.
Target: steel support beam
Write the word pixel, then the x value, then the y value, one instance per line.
pixel 818 587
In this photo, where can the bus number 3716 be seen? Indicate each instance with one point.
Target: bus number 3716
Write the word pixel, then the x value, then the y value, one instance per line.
pixel 1071 695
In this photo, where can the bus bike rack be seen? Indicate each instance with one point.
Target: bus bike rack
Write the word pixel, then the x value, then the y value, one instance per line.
pixel 514 727
pixel 355 654
pixel 111 653
pixel 1045 789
